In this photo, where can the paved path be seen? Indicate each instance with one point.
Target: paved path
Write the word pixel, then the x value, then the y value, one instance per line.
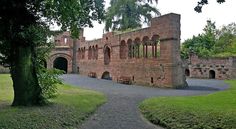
pixel 121 110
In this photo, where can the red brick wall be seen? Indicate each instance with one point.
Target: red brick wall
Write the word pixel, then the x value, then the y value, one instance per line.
pixel 164 70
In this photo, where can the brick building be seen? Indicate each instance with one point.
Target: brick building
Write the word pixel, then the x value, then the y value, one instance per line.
pixel 149 56
pixel 211 68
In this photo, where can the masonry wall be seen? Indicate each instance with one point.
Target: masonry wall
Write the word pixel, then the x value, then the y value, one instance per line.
pixel 224 68
pixel 161 69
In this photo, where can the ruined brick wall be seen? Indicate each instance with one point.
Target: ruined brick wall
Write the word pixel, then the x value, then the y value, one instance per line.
pixel 223 68
pixel 149 56
pixel 63 49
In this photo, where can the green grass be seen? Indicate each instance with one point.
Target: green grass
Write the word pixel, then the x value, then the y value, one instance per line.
pixel 68 110
pixel 213 111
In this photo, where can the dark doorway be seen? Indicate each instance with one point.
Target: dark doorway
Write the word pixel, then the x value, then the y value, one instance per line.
pixel 60 63
pixel 106 75
pixel 212 74
pixel 107 55
pixel 187 72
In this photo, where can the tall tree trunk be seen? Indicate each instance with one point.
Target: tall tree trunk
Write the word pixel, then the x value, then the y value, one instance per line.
pixel 23 71
pixel 74 58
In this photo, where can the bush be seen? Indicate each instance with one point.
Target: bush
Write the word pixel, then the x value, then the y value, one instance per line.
pixel 48 78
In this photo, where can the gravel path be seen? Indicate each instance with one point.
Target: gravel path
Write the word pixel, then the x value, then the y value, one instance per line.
pixel 121 110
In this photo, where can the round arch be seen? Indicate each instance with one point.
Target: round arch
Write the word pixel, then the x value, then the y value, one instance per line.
pixel 123 49
pixel 61 63
pixel 68 58
pixel 187 72
pixel 106 75
pixel 107 55
pixel 212 74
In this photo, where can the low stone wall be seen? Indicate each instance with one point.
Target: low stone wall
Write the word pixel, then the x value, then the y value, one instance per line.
pixel 212 68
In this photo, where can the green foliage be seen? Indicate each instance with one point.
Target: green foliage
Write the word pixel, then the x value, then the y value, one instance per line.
pixel 24 31
pixel 71 107
pixel 201 3
pixel 212 43
pixel 48 80
pixel 211 111
pixel 128 14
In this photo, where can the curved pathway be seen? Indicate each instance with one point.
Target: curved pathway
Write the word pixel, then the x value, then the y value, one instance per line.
pixel 121 110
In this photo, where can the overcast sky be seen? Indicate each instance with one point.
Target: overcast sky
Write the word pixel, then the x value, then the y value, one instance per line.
pixel 192 22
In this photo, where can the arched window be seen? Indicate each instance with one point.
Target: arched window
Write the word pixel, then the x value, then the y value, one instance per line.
pixel 123 50
pixel 96 52
pixel 155 46
pixel 145 47
pixel 93 52
pixel 130 48
pixel 90 53
pixel 137 48
pixel 107 55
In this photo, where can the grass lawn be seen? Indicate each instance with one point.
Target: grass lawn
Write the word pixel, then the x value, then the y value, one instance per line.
pixel 68 110
pixel 213 111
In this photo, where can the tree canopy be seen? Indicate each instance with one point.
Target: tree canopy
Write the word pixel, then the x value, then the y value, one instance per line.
pixel 24 27
pixel 212 42
pixel 201 3
pixel 128 14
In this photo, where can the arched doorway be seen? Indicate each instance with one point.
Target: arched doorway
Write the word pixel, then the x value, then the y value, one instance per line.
pixel 106 75
pixel 107 55
pixel 212 74
pixel 60 63
pixel 187 72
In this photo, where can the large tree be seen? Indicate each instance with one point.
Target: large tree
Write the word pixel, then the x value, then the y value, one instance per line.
pixel 19 22
pixel 128 14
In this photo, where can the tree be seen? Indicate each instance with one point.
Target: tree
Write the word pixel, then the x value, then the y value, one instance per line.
pixel 128 14
pixel 19 20
pixel 203 44
pixel 201 3
pixel 212 42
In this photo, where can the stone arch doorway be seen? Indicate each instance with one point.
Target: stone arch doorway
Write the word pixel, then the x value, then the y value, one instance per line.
pixel 106 75
pixel 187 72
pixel 60 63
pixel 107 55
pixel 212 74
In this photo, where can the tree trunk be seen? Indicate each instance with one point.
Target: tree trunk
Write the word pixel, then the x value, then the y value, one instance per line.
pixel 74 58
pixel 27 91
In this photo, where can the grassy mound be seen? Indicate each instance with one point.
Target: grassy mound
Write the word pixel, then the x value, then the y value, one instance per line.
pixel 213 111
pixel 68 110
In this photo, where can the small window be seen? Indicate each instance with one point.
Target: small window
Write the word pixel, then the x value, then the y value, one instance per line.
pixel 151 79
pixel 65 40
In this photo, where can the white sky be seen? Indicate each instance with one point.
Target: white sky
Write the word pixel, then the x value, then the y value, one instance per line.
pixel 192 22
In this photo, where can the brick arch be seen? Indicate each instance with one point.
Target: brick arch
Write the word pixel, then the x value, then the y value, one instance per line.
pixel 107 54
pixel 145 41
pixel 155 41
pixel 123 50
pixel 53 57
pixel 137 43
pixel 130 48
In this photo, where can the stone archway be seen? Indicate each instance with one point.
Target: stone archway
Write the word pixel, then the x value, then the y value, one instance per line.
pixel 106 75
pixel 61 63
pixel 212 74
pixel 187 72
